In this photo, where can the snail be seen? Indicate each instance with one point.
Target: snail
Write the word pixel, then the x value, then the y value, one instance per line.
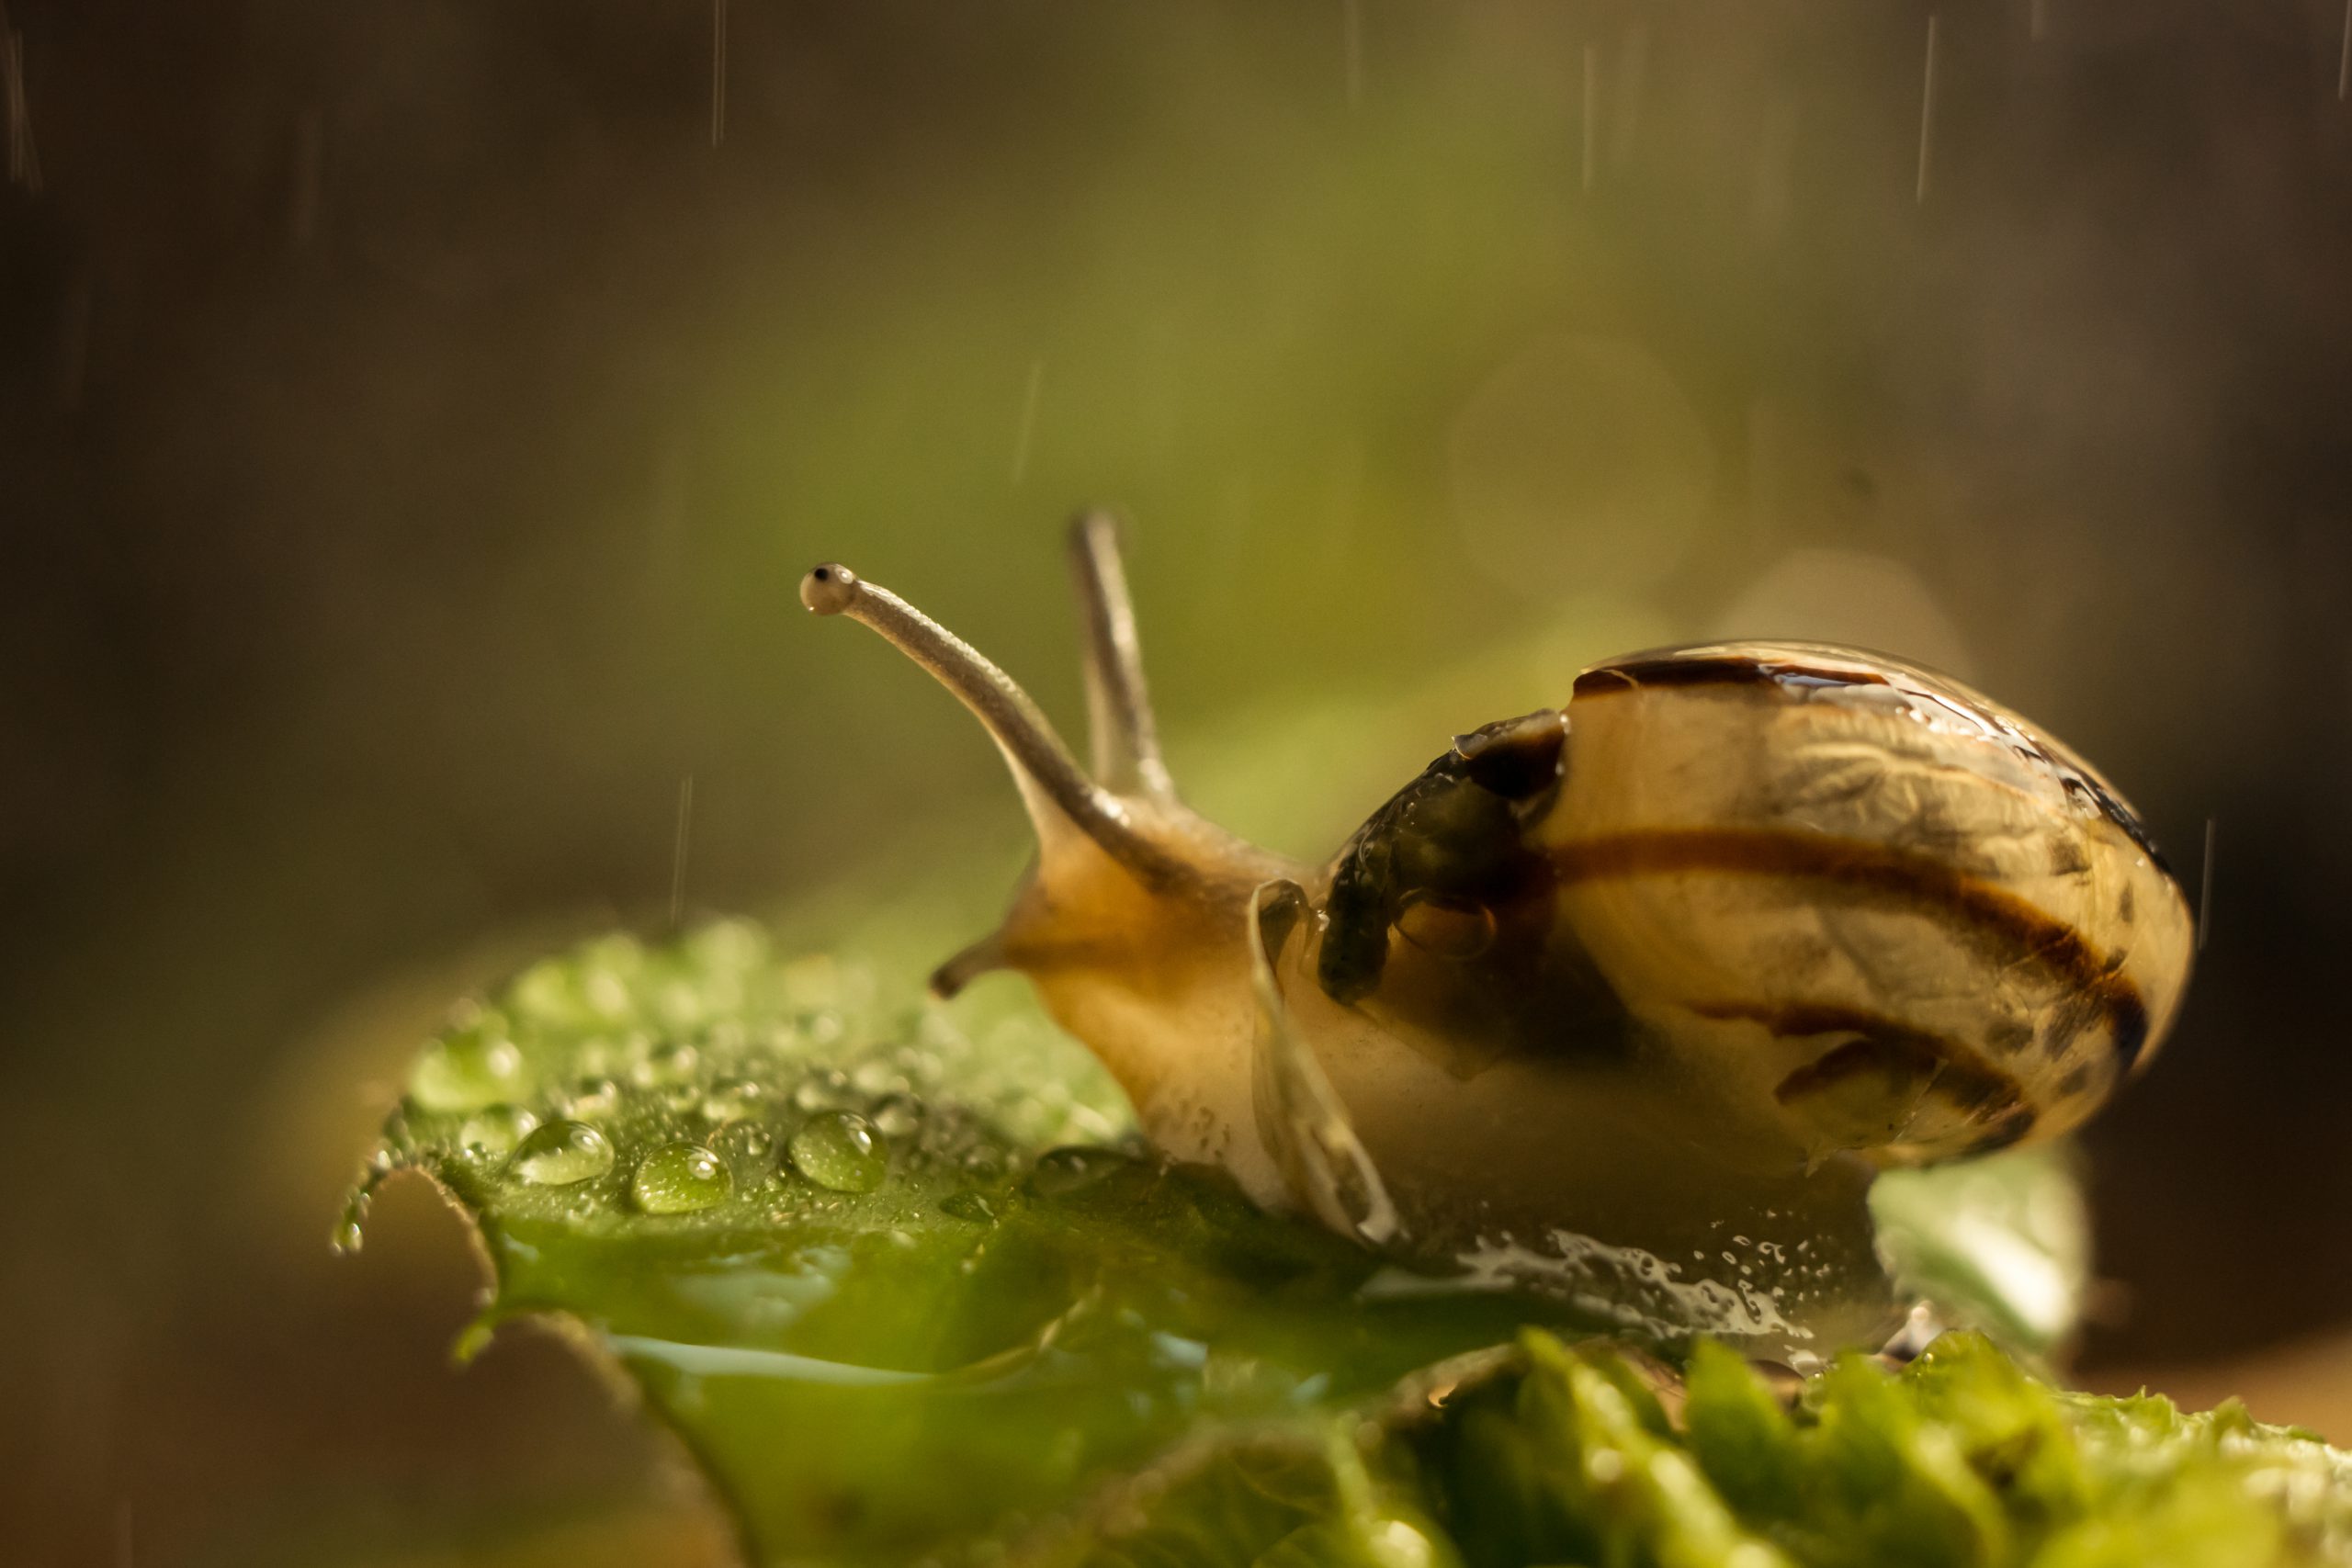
pixel 1644 988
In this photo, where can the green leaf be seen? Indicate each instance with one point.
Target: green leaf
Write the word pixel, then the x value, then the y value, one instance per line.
pixel 1741 1433
pixel 897 1290
pixel 906 1289
pixel 2048 1478
pixel 2000 1244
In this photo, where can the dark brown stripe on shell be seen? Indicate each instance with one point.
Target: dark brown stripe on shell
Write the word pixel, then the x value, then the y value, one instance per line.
pixel 1790 674
pixel 2005 1132
pixel 1894 876
pixel 1958 1073
pixel 1725 669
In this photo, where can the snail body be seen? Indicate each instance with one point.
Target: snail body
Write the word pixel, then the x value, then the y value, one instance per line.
pixel 1636 993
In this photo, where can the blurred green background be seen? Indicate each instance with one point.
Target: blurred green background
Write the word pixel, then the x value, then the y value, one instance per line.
pixel 415 415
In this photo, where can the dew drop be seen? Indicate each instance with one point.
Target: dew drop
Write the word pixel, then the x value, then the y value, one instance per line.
pixel 968 1206
pixel 347 1229
pixel 468 1070
pixel 680 1004
pixel 469 1013
pixel 596 1053
pixel 681 1178
pixel 838 1150
pixel 606 993
pixel 562 1153
pixel 543 993
pixel 492 1132
pixel 616 951
pixel 812 980
pixel 728 945
pixel 1066 1170
pixel 674 1063
pixel 896 1115
pixel 732 1099
pixel 593 1100
pixel 821 1091
pixel 743 1141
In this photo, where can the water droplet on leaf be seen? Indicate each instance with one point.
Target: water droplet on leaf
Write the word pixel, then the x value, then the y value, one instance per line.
pixel 821 1091
pixel 743 1141
pixel 1066 1170
pixel 681 1178
pixel 674 1063
pixel 728 945
pixel 680 1004
pixel 814 980
pixel 606 993
pixel 544 992
pixel 968 1206
pixel 896 1115
pixel 468 1070
pixel 838 1150
pixel 562 1153
pixel 732 1099
pixel 492 1132
pixel 593 1100
pixel 347 1229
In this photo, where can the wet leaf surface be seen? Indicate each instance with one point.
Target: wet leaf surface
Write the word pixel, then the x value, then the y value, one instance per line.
pixel 893 1296
pixel 903 1284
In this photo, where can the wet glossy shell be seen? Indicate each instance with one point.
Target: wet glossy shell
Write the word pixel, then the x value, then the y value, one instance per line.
pixel 1862 895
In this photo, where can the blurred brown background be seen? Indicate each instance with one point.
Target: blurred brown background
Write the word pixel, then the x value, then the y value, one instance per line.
pixel 415 415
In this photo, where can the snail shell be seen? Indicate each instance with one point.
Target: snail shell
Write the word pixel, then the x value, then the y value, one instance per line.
pixel 1863 894
pixel 1825 882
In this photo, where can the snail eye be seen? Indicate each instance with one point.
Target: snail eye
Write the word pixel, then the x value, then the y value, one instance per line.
pixel 1443 929
pixel 828 590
